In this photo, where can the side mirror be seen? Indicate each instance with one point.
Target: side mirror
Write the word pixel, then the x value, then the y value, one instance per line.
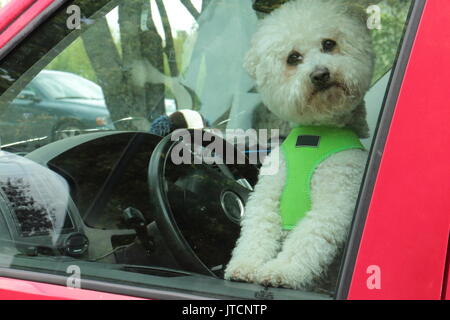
pixel 28 95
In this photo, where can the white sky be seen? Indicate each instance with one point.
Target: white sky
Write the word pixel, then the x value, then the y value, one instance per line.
pixel 179 17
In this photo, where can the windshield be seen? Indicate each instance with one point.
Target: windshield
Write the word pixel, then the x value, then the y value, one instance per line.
pixel 174 60
pixel 139 70
pixel 63 85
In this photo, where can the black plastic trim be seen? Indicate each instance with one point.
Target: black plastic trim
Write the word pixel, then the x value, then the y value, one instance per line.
pixel 31 27
pixel 24 61
pixel 377 150
pixel 445 278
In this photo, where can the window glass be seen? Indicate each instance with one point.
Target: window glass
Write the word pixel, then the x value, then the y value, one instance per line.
pixel 86 112
pixel 61 86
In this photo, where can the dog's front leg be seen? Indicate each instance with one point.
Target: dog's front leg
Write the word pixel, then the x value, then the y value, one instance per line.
pixel 261 232
pixel 312 245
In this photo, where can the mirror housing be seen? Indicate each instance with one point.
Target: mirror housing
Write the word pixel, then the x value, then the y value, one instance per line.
pixel 28 95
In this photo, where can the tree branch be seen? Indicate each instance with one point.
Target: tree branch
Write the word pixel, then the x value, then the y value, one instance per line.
pixel 170 46
pixel 99 45
pixel 130 22
pixel 107 65
pixel 190 7
pixel 205 4
pixel 152 51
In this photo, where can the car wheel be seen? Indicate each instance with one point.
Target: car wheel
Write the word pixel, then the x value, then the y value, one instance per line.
pixel 67 130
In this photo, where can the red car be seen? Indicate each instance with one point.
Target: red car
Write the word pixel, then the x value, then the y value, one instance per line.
pixel 108 215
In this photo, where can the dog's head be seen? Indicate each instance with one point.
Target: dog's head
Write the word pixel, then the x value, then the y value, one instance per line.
pixel 313 61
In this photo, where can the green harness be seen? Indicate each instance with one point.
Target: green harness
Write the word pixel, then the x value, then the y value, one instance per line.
pixel 304 149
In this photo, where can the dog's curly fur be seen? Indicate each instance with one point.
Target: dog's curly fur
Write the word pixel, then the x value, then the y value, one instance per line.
pixel 265 253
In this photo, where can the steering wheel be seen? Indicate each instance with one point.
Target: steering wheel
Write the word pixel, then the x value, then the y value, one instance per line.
pixel 198 205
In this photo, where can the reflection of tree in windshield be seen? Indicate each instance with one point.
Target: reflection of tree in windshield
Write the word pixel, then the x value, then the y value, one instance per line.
pixel 32 217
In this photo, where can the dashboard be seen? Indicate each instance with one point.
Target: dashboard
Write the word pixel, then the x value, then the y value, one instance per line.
pixel 69 199
pixel 86 188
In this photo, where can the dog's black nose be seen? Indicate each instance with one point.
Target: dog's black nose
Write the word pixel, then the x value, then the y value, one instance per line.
pixel 320 77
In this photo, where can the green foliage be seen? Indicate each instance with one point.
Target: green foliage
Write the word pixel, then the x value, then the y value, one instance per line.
pixel 74 59
pixel 387 40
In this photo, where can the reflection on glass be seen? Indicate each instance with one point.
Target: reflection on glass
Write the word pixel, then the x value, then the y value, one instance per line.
pixel 37 197
pixel 142 60
pixel 181 55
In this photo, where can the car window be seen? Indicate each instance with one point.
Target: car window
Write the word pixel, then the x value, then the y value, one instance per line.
pixel 60 85
pixel 28 92
pixel 77 188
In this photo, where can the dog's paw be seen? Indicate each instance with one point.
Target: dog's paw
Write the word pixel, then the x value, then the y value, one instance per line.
pixel 273 274
pixel 280 273
pixel 240 272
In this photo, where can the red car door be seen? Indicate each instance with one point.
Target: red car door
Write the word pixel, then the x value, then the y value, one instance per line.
pixel 18 18
pixel 399 243
pixel 404 244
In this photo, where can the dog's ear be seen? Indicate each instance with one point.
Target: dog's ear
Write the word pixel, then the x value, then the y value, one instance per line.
pixel 358 122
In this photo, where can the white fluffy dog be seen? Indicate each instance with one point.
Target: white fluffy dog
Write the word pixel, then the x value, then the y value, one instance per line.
pixel 313 62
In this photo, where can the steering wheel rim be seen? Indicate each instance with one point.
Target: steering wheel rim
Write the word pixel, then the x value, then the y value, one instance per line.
pixel 165 219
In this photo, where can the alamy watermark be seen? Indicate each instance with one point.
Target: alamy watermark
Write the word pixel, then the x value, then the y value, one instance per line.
pixel 232 146
pixel 373 282
pixel 74 280
pixel 74 20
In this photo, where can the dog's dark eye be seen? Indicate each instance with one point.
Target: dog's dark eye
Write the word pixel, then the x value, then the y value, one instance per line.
pixel 294 58
pixel 328 45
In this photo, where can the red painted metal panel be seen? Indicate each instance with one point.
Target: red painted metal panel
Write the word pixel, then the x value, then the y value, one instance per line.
pixel 23 20
pixel 12 11
pixel 13 289
pixel 407 226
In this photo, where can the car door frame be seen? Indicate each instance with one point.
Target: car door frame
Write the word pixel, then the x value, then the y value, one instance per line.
pixel 357 244
pixel 388 257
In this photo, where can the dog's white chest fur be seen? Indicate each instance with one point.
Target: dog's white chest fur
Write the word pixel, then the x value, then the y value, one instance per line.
pixel 268 255
pixel 312 61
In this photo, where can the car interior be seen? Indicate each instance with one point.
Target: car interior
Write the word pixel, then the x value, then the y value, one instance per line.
pixel 113 202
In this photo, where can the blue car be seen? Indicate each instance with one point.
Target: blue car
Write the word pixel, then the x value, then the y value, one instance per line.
pixel 54 106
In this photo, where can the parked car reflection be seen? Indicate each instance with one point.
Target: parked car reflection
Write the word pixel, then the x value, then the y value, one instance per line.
pixel 54 106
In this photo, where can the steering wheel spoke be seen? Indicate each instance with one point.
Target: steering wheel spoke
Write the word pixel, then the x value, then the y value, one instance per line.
pixel 199 205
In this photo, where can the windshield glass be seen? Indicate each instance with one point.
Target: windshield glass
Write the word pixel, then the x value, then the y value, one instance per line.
pixel 63 85
pixel 243 70
pixel 173 59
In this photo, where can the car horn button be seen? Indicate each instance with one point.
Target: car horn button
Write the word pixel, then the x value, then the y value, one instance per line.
pixel 232 205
